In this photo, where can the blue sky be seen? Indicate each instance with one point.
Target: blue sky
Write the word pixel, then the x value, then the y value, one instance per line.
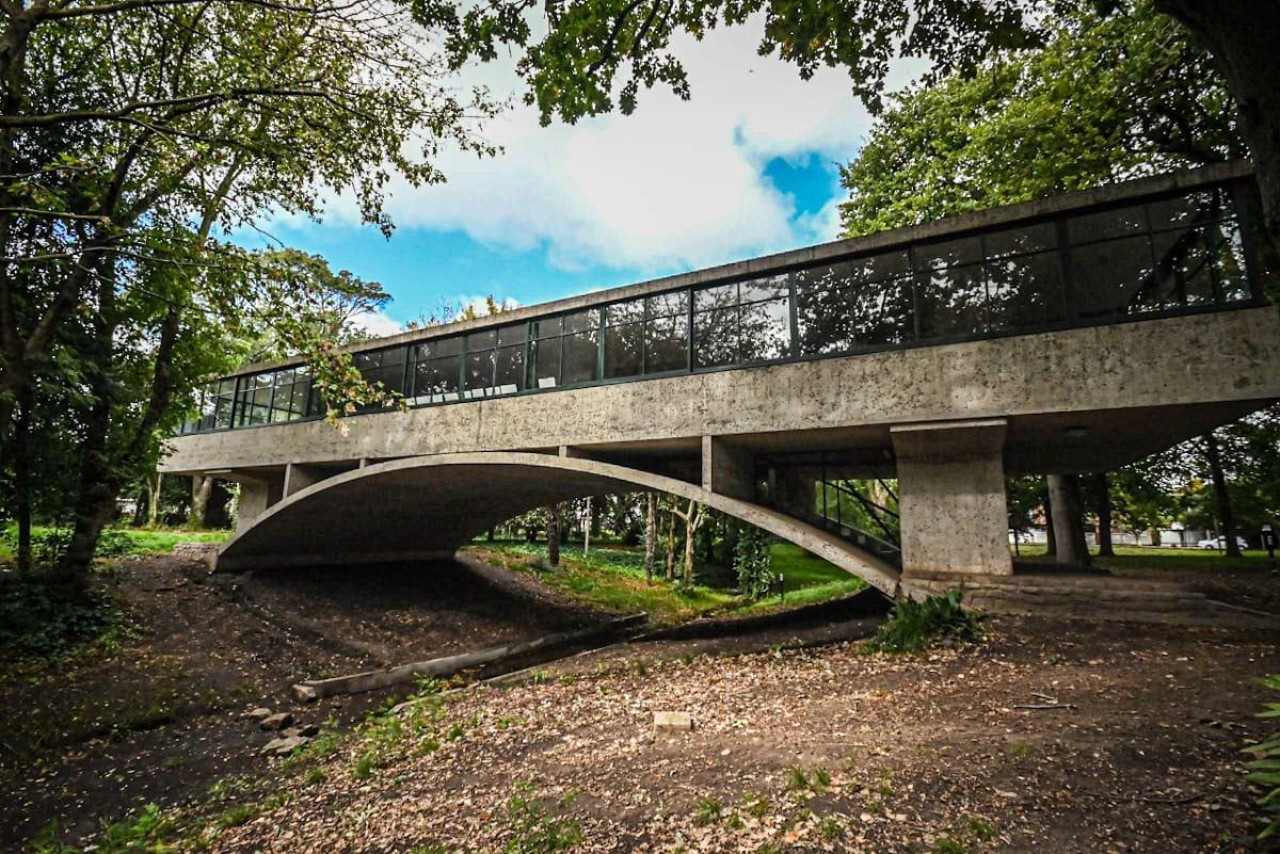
pixel 419 266
pixel 747 166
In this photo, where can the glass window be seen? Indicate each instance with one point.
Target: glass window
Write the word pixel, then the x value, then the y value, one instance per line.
pixel 439 347
pixel 1025 291
pixel 1021 240
pixel 486 340
pixel 662 305
pixel 547 327
pixel 666 344
pixel 517 334
pixel 436 380
pixel 951 302
pixel 509 369
pixel 824 278
pixel 768 287
pixel 546 362
pixel 624 312
pixel 717 297
pixel 581 358
pixel 1190 209
pixel 949 253
pixel 581 321
pixel 1107 224
pixel 877 268
pixel 825 320
pixel 715 337
pixel 765 331
pixel 479 374
pixel 882 313
pixel 1112 278
pixel 624 350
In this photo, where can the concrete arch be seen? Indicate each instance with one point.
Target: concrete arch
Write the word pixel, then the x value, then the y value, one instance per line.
pixel 426 507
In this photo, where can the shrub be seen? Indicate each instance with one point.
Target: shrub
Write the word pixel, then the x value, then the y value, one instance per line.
pixel 753 562
pixel 1265 769
pixel 917 625
pixel 40 617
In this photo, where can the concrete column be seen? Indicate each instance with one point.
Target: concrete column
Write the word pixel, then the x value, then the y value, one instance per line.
pixel 258 491
pixel 298 478
pixel 952 497
pixel 255 498
pixel 727 469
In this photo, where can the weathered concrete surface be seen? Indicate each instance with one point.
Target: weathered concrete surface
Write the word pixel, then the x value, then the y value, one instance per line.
pixel 425 507
pixel 952 497
pixel 1076 400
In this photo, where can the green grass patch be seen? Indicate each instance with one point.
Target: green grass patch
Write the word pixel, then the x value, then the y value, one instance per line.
pixel 115 542
pixel 1151 557
pixel 613 579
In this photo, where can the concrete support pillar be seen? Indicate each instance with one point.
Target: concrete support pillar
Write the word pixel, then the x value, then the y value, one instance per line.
pixel 952 497
pixel 1068 520
pixel 255 498
pixel 298 478
pixel 727 469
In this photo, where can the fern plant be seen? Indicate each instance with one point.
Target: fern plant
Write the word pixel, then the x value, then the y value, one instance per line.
pixel 917 625
pixel 1264 770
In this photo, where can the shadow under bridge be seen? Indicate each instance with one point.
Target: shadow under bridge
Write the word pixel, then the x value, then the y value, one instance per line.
pixel 421 508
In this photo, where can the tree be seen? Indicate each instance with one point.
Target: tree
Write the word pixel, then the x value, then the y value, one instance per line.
pixel 1109 97
pixel 553 534
pixel 592 55
pixel 129 133
pixel 650 533
pixel 693 517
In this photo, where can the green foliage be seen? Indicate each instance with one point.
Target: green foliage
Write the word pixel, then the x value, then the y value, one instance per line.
pixel 42 617
pixel 917 625
pixel 1264 770
pixel 709 812
pixel 148 831
pixel 1110 95
pixel 535 830
pixel 589 56
pixel 753 563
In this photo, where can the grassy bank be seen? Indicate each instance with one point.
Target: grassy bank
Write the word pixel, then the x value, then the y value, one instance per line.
pixel 1151 557
pixel 117 541
pixel 612 579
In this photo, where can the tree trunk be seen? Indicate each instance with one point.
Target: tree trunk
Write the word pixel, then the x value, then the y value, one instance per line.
pixel 671 546
pixel 650 533
pixel 1221 496
pixel 1051 538
pixel 22 475
pixel 1068 521
pixel 201 490
pixel 154 488
pixel 1102 497
pixel 1242 37
pixel 553 535
pixel 586 532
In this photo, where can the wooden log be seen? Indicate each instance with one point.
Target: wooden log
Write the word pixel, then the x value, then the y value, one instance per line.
pixel 372 680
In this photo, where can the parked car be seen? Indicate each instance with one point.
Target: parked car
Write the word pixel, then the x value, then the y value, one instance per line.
pixel 1220 543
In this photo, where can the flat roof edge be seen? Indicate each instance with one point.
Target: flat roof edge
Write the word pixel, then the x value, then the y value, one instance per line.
pixel 957 224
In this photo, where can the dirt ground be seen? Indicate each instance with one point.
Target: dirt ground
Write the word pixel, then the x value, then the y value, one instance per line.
pixel 794 747
pixel 924 754
pixel 159 720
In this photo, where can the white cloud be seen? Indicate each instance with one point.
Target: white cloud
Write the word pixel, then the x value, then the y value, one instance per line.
pixel 376 323
pixel 676 185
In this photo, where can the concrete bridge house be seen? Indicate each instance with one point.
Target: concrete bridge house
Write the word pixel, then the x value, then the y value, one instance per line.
pixel 1072 334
